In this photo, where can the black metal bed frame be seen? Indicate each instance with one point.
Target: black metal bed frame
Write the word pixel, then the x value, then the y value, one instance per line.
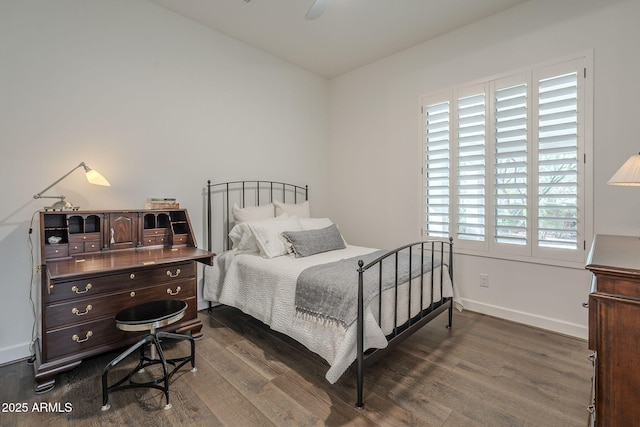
pixel 400 332
pixel 271 187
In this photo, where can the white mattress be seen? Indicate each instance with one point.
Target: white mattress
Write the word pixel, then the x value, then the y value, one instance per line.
pixel 265 289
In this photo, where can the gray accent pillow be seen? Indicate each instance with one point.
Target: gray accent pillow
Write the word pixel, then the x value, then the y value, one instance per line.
pixel 311 242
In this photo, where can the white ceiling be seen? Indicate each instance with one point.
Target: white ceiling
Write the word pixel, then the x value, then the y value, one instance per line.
pixel 350 34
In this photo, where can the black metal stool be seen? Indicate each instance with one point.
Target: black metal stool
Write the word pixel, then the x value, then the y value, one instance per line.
pixel 148 317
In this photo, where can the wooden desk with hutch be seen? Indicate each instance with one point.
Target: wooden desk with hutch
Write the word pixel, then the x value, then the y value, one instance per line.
pixel 103 262
pixel 614 329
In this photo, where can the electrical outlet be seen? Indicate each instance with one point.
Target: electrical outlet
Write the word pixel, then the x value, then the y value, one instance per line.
pixel 484 280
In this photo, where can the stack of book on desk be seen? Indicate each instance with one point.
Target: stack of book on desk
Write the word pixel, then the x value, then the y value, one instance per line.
pixel 161 203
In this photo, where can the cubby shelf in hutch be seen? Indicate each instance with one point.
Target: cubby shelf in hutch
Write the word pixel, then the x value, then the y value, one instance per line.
pixel 96 263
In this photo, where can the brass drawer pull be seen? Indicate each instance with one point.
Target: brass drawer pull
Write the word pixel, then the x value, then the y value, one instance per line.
pixel 78 313
pixel 132 276
pixel 78 340
pixel 78 291
pixel 178 289
pixel 173 275
pixel 132 294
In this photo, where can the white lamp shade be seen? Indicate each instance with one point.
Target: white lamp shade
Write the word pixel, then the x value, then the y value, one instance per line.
pixel 94 177
pixel 628 174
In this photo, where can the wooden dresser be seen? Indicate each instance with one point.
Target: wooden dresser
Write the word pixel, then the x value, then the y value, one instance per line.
pixel 614 329
pixel 93 265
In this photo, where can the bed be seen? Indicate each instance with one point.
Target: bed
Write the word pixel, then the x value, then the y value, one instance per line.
pixel 297 274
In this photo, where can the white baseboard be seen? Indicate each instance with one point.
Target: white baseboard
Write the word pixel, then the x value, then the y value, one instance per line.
pixel 547 323
pixel 14 354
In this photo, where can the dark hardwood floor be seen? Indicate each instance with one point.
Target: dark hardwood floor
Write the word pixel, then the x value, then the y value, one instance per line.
pixel 483 372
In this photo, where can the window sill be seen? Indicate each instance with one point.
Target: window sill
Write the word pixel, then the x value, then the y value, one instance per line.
pixel 577 265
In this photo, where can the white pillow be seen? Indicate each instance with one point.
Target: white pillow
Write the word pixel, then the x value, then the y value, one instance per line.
pixel 253 213
pixel 242 239
pixel 301 210
pixel 268 235
pixel 315 223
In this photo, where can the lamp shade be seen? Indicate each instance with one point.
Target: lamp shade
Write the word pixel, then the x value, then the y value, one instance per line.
pixel 628 174
pixel 94 177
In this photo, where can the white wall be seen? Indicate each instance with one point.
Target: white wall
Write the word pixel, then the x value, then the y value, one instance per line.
pixel 156 103
pixel 376 142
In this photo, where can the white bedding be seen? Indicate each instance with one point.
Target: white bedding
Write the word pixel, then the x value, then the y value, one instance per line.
pixel 265 289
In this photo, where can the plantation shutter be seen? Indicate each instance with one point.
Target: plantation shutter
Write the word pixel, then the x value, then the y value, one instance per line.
pixel 558 161
pixel 436 170
pixel 510 165
pixel 506 169
pixel 471 163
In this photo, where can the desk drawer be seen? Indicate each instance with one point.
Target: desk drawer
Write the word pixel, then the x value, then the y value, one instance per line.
pixel 154 240
pixel 95 285
pixel 84 237
pixel 154 236
pixel 97 333
pixel 84 310
pixel 179 239
pixel 84 246
pixel 82 337
pixel 58 250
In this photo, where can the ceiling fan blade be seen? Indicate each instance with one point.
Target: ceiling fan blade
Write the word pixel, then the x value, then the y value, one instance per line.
pixel 317 8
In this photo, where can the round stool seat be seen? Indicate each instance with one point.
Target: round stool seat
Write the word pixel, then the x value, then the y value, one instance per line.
pixel 150 315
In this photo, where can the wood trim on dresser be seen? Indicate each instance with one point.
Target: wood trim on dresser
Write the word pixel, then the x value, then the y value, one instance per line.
pixel 82 288
pixel 614 330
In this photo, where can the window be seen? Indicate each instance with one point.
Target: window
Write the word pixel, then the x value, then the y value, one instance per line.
pixel 505 164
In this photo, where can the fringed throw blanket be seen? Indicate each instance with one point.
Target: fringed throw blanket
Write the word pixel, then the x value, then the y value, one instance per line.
pixel 328 293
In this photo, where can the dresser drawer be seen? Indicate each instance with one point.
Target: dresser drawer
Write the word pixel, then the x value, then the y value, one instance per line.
pixel 94 285
pixel 97 333
pixel 57 250
pixel 155 232
pixel 81 337
pixel 84 310
pixel 154 240
pixel 84 246
pixel 83 237
pixel 615 285
pixel 179 239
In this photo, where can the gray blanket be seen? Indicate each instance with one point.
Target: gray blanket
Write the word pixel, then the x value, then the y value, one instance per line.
pixel 329 292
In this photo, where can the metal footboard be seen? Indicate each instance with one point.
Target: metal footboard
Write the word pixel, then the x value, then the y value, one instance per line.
pixel 435 249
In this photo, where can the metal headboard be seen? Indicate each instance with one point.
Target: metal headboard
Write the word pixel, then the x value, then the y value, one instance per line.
pixel 249 193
